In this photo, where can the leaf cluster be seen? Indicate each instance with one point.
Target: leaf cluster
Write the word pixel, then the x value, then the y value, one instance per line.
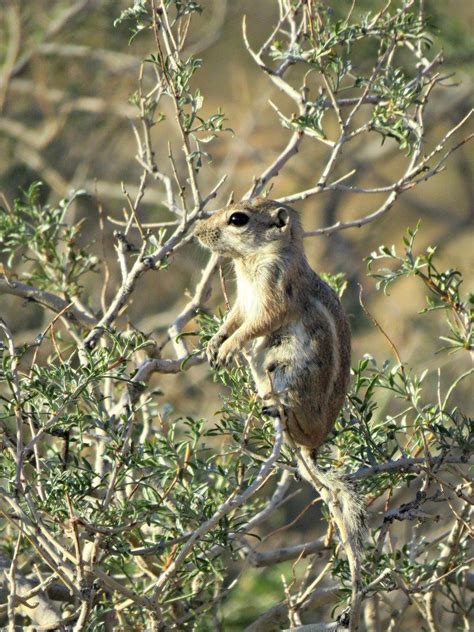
pixel 330 45
pixel 444 287
pixel 41 236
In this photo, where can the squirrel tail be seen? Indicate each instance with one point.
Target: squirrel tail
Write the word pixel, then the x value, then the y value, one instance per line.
pixel 340 494
pixel 348 511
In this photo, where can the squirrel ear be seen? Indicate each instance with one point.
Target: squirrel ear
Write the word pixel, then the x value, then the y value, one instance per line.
pixel 281 218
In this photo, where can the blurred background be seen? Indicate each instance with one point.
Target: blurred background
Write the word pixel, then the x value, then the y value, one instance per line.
pixel 66 119
pixel 66 78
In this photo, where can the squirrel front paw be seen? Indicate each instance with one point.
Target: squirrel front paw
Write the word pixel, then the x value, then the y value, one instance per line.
pixel 225 355
pixel 213 347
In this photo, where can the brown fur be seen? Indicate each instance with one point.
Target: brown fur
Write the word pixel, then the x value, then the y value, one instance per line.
pixel 299 335
pixel 300 347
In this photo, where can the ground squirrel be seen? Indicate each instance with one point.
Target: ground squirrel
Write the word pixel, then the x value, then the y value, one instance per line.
pixel 297 334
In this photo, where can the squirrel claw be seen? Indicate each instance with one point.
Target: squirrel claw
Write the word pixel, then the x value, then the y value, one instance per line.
pixel 225 356
pixel 213 347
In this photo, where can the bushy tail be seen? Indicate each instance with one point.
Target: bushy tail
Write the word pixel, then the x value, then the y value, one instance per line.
pixel 348 511
pixel 336 489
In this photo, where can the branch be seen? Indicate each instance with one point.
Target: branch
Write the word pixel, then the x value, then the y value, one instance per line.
pixel 274 169
pixel 156 365
pixel 408 181
pixel 113 59
pixel 280 83
pixel 55 27
pixel 141 265
pixel 201 296
pixel 46 299
pixel 232 503
pixel 34 599
pixel 13 19
pixel 48 94
pixel 404 465
pixel 299 551
pixel 271 620
pixel 316 627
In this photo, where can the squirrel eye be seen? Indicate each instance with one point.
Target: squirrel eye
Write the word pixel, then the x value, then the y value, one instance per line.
pixel 238 219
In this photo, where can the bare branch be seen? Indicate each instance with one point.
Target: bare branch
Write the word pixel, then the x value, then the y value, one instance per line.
pixel 274 616
pixel 299 551
pixel 54 28
pixel 51 301
pixel 273 170
pixel 200 297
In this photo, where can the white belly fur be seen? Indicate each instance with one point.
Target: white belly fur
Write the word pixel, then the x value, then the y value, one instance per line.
pixel 291 353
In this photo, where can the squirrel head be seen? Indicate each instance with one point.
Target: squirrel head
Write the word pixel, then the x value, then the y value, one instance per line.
pixel 251 227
